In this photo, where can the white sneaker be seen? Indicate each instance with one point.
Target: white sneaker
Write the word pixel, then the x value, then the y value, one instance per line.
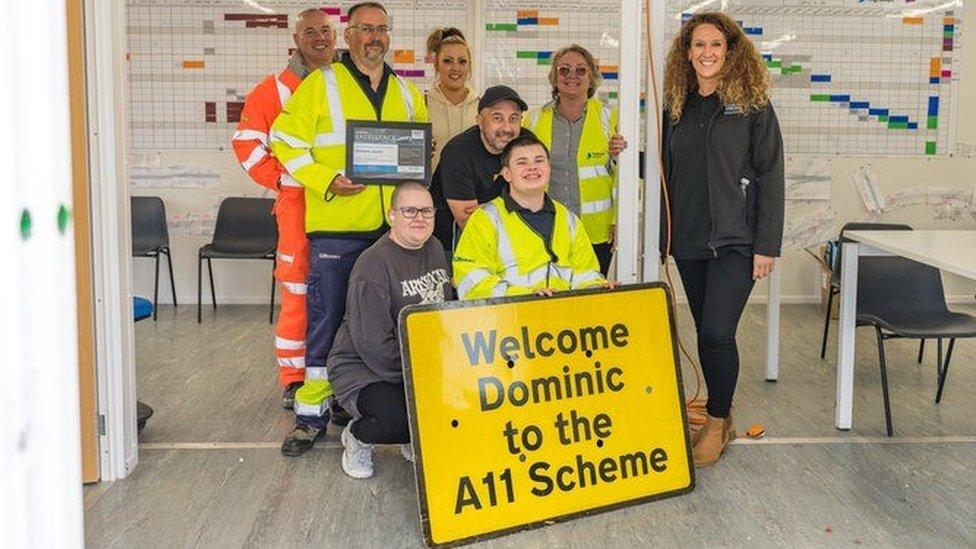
pixel 357 458
pixel 406 450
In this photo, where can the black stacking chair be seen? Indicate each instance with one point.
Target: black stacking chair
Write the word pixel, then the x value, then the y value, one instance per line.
pixel 902 298
pixel 835 279
pixel 245 229
pixel 150 238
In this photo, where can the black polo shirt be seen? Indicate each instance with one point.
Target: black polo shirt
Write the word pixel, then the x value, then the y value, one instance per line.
pixel 541 222
pixel 375 96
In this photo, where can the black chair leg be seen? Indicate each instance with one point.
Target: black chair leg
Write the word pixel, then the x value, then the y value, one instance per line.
pixel 938 354
pixel 884 379
pixel 172 284
pixel 156 289
pixel 830 303
pixel 271 312
pixel 944 370
pixel 921 350
pixel 213 292
pixel 199 286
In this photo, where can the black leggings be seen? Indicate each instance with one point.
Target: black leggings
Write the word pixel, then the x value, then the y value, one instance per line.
pixel 384 414
pixel 717 289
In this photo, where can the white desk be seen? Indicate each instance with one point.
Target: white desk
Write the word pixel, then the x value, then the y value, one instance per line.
pixel 953 251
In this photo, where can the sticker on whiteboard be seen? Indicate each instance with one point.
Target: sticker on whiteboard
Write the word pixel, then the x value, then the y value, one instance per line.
pixel 868 186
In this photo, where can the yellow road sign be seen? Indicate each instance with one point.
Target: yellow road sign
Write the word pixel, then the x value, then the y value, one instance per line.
pixel 527 410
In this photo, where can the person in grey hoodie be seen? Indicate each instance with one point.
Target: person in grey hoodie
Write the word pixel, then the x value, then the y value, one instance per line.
pixel 404 267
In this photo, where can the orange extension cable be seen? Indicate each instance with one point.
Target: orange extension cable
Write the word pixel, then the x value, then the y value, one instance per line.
pixel 695 405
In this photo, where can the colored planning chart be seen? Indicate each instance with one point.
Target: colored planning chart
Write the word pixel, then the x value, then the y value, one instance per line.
pixel 192 62
pixel 859 77
pixel 521 37
pixel 851 77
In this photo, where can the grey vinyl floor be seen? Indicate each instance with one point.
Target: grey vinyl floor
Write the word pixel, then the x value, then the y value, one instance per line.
pixel 805 484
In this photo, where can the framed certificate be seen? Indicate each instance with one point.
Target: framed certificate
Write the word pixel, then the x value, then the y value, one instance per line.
pixel 387 153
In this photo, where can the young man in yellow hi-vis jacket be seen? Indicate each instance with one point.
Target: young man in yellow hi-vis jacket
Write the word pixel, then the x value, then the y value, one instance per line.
pixel 524 242
pixel 342 218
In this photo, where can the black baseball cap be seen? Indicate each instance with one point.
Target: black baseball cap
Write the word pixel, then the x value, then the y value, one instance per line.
pixel 495 94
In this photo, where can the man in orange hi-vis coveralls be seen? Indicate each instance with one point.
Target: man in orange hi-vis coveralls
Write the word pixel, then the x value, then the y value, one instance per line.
pixel 315 48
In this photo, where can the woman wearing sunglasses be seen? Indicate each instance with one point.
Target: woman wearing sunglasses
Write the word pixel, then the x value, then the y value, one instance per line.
pixel 581 134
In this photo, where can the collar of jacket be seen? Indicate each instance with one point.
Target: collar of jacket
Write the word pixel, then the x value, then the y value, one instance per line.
pixel 296 64
pixel 434 93
pixel 512 206
pixel 351 65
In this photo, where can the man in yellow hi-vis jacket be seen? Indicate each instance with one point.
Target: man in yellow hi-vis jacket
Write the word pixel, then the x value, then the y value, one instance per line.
pixel 524 242
pixel 342 218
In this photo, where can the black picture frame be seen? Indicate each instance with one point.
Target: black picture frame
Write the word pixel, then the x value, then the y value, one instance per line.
pixel 410 141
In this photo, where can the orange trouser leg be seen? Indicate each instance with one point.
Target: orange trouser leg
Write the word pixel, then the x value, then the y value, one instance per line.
pixel 291 269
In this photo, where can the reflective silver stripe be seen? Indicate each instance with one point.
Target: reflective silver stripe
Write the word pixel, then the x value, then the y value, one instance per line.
pixel 500 289
pixel 584 277
pixel 596 206
pixel 296 288
pixel 256 156
pixel 317 372
pixel 563 273
pixel 505 251
pixel 289 181
pixel 290 140
pixel 289 344
pixel 589 172
pixel 471 280
pixel 336 114
pixel 573 221
pixel 284 93
pixel 329 139
pixel 299 162
pixel 251 135
pixel 313 410
pixel 285 258
pixel 407 97
pixel 291 362
pixel 605 113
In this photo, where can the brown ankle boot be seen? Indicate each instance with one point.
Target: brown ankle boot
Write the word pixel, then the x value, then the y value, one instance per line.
pixel 713 440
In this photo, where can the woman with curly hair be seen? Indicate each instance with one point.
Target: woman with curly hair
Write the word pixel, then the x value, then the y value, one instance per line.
pixel 723 166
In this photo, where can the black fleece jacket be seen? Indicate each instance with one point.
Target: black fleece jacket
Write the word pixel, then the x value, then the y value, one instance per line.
pixel 746 183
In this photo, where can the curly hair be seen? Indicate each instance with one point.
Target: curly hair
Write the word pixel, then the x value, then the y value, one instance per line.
pixel 594 74
pixel 743 81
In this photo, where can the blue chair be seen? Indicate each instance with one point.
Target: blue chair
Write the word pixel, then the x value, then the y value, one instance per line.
pixel 142 309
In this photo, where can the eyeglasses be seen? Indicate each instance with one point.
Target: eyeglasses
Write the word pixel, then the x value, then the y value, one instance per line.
pixel 411 213
pixel 370 29
pixel 566 70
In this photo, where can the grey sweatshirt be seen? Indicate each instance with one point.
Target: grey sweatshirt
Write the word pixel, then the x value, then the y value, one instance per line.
pixel 386 278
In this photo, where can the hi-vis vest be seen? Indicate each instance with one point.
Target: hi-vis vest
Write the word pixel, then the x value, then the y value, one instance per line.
pixel 309 138
pixel 596 178
pixel 500 255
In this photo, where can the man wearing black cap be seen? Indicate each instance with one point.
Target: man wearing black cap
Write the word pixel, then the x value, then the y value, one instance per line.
pixel 471 161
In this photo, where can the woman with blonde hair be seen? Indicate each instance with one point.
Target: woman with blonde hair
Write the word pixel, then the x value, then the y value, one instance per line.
pixel 723 166
pixel 451 103
pixel 580 132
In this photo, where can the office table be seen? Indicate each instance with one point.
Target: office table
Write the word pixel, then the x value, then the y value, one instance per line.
pixel 952 251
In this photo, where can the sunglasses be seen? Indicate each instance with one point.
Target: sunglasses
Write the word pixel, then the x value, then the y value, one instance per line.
pixel 579 70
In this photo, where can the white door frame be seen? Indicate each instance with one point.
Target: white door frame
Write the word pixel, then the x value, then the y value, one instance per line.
pixel 111 238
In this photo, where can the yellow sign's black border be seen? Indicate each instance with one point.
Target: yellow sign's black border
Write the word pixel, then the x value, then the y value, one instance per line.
pixel 415 428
